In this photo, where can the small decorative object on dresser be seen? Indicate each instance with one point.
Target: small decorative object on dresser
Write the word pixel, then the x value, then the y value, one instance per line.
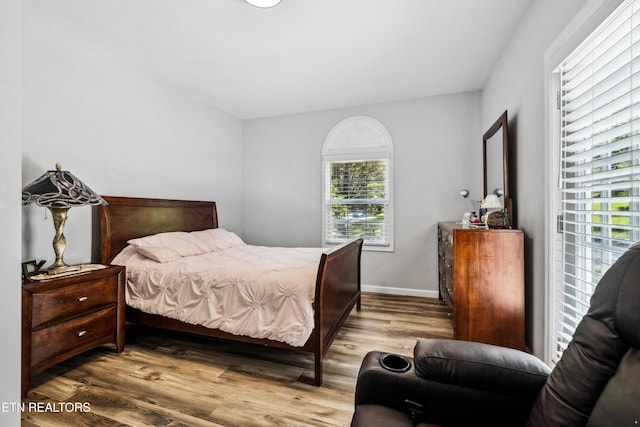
pixel 65 316
pixel 497 219
pixel 470 216
pixel 481 275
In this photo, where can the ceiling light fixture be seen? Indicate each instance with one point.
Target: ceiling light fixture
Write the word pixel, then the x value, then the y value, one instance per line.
pixel 263 3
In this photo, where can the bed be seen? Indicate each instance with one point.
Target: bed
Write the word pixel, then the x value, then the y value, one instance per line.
pixel 337 281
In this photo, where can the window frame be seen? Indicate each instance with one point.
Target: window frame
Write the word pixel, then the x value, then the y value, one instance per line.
pixel 589 21
pixel 358 139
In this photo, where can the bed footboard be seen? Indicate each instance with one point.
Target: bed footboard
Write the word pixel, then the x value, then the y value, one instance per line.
pixel 337 291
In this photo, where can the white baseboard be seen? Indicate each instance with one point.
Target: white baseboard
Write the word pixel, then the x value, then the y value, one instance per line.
pixel 400 291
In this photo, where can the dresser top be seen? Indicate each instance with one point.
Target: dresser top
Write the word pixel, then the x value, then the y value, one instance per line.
pixel 453 225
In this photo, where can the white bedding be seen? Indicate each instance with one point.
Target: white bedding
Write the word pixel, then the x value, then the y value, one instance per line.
pixel 257 291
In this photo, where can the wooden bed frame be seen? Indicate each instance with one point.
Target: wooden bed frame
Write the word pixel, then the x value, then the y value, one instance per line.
pixel 337 283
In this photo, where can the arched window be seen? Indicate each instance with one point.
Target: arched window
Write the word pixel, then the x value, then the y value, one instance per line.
pixel 357 168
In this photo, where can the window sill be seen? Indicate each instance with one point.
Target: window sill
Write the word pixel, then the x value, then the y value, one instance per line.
pixel 367 247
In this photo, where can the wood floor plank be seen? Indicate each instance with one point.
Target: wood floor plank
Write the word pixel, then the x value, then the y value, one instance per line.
pixel 173 379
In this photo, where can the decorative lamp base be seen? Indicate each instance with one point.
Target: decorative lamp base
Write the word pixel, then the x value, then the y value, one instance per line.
pixel 59 241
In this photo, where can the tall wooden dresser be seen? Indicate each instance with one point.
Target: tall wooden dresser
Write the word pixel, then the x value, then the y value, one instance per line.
pixel 482 281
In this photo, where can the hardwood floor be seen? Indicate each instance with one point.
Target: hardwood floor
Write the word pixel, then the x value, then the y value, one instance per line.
pixel 166 379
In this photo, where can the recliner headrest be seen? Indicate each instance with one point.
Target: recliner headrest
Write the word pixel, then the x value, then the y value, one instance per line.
pixel 616 300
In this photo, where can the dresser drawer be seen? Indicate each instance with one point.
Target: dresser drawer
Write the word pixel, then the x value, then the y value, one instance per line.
pixel 78 333
pixel 57 304
pixel 446 280
pixel 445 240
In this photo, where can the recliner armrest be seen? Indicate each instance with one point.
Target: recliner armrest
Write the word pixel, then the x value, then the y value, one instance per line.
pixel 472 388
pixel 480 366
pixel 378 385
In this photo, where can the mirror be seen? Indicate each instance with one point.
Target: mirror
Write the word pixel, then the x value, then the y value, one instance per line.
pixel 495 154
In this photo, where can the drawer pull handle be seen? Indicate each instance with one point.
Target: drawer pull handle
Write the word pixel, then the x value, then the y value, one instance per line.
pixel 81 333
pixel 82 299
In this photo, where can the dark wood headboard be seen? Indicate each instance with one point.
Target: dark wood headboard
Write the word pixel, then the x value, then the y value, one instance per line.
pixel 126 218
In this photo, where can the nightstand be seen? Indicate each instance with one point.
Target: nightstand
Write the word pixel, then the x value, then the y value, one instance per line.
pixel 67 315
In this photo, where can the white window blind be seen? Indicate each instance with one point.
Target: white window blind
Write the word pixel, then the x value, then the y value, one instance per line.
pixel 600 168
pixel 357 201
pixel 357 159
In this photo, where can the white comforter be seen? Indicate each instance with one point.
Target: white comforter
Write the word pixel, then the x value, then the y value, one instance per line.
pixel 257 291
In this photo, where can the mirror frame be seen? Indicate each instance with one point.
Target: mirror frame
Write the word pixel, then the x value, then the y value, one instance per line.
pixel 499 125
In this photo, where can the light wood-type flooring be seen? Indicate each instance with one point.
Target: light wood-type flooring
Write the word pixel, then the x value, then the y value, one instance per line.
pixel 170 379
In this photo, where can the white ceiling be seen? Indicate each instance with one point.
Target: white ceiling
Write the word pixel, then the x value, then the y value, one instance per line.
pixel 303 55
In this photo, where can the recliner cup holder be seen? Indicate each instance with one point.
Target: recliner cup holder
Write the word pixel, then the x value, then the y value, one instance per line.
pixel 395 362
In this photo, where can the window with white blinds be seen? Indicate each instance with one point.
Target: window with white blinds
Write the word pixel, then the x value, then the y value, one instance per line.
pixel 357 192
pixel 358 201
pixel 599 183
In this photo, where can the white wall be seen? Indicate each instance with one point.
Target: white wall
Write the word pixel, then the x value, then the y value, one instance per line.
pixel 119 133
pixel 11 142
pixel 437 151
pixel 517 85
pixel 123 135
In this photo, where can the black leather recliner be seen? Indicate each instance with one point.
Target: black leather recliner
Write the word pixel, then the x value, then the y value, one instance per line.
pixel 458 383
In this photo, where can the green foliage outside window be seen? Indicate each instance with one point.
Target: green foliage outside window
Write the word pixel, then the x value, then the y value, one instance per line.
pixel 358 199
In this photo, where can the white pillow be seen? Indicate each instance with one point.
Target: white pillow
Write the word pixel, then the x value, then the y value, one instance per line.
pixel 217 239
pixel 165 247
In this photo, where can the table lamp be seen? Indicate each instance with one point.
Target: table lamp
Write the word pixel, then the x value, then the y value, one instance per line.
pixel 491 203
pixel 58 191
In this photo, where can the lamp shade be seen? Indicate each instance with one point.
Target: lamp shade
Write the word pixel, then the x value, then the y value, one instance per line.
pixel 491 202
pixel 60 189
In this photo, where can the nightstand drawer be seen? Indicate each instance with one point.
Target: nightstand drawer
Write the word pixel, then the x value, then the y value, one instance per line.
pixel 58 304
pixel 67 337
